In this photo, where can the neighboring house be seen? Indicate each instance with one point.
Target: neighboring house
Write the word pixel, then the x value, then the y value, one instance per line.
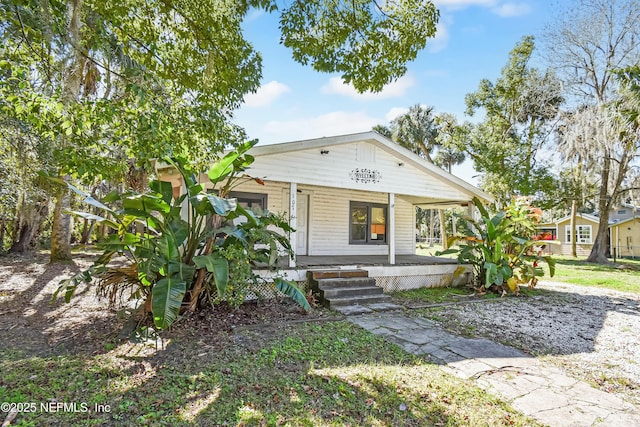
pixel 352 202
pixel 623 212
pixel 586 231
pixel 624 237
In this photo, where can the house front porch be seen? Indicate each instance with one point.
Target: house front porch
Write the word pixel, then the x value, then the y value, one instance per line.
pixel 408 272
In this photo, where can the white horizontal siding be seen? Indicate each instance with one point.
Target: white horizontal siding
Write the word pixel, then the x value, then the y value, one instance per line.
pixel 329 217
pixel 334 169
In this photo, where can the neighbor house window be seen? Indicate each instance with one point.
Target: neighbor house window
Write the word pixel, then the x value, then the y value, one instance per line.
pixel 583 233
pixel 367 223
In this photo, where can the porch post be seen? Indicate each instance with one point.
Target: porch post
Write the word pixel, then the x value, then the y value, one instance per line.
pixel 293 198
pixel 392 229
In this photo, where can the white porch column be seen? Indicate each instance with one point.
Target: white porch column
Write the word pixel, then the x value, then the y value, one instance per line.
pixel 293 214
pixel 392 229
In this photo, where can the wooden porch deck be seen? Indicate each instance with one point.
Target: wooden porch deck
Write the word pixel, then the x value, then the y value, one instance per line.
pixel 304 261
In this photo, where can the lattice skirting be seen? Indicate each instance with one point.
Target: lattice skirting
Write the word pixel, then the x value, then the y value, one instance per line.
pixel 268 290
pixel 404 283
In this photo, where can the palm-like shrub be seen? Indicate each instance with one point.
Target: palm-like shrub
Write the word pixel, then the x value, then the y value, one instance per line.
pixel 176 260
pixel 501 247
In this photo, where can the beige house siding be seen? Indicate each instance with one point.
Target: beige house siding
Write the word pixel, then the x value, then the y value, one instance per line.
pixel 582 249
pixel 625 238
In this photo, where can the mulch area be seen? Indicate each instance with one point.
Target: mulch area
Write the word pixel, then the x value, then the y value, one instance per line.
pixel 30 323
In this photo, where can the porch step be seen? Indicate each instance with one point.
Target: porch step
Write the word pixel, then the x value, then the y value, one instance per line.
pixel 340 283
pixel 342 288
pixel 345 291
pixel 334 302
pixel 338 273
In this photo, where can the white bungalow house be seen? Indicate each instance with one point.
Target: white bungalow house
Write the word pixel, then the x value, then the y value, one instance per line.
pixel 352 202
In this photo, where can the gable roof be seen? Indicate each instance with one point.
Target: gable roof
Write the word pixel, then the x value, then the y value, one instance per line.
pixel 615 223
pixel 404 155
pixel 582 215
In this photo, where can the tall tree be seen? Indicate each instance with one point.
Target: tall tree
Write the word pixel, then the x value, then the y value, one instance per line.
pixel 588 41
pixel 132 79
pixel 416 130
pixel 519 108
pixel 451 136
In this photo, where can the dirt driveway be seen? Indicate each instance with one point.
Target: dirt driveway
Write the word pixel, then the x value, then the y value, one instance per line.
pixel 594 334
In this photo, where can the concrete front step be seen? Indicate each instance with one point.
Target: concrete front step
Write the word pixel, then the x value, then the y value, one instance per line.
pixel 338 273
pixel 346 282
pixel 345 291
pixel 356 300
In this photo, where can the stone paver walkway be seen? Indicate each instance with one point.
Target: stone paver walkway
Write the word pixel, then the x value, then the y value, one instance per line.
pixel 537 390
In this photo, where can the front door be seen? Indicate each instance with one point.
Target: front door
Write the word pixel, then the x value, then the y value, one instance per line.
pixel 302 224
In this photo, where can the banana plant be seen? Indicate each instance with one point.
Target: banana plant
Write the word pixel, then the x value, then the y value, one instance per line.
pixel 500 248
pixel 175 263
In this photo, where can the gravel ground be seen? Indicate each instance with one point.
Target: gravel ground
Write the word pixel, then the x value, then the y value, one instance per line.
pixel 592 333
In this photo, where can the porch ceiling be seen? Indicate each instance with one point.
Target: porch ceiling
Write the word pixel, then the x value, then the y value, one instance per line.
pixel 430 203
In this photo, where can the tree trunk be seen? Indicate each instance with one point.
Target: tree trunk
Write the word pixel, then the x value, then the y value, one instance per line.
pixel 3 228
pixel 61 230
pixel 599 250
pixel 29 219
pixel 86 231
pixel 443 229
pixel 432 225
pixel 572 226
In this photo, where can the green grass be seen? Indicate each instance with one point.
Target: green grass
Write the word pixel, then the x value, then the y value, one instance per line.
pixel 580 272
pixel 434 295
pixel 300 375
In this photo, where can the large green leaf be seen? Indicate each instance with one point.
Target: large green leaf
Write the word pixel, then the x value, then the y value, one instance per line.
pixel 290 289
pixel 181 271
pixel 167 296
pixel 223 167
pixel 218 266
pixel 179 230
pixel 165 188
pixel 145 203
pixel 167 247
pixel 222 206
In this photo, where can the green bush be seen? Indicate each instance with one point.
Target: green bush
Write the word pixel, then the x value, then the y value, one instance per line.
pixel 177 264
pixel 501 247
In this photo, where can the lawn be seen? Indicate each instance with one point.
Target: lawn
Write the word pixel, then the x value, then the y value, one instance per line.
pixel 302 374
pixel 622 276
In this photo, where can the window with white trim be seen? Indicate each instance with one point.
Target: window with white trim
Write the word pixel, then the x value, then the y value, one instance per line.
pixel 583 233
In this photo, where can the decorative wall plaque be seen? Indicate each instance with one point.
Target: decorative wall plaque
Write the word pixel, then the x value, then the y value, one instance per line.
pixel 365 176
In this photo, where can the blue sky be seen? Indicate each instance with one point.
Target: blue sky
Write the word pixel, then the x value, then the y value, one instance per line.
pixel 473 41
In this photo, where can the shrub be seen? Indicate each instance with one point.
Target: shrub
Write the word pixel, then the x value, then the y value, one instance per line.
pixel 175 263
pixel 501 247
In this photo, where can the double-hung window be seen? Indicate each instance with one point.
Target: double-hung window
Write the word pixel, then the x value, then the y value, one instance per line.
pixel 367 223
pixel 583 234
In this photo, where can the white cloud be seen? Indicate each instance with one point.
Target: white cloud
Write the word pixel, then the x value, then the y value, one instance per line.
pixel 330 124
pixel 440 41
pixel 461 4
pixel 266 94
pixel 393 90
pixel 504 10
pixel 395 112
pixel 508 10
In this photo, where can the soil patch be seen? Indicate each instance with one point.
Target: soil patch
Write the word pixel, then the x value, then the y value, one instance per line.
pixel 34 325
